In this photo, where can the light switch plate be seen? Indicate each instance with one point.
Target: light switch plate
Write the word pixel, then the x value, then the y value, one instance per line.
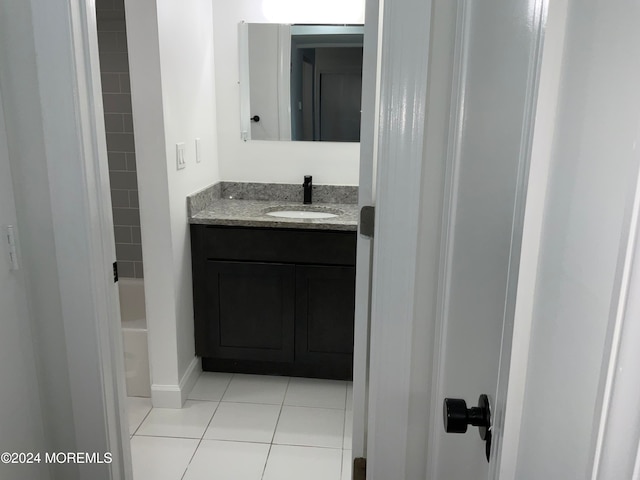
pixel 198 151
pixel 13 253
pixel 181 161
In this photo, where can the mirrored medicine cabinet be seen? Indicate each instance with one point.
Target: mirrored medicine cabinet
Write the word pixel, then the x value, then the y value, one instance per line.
pixel 300 82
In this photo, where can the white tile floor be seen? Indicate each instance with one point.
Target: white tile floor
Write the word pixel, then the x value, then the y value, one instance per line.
pixel 246 427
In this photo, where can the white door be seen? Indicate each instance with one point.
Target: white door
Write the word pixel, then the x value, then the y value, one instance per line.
pixel 495 120
pixel 454 150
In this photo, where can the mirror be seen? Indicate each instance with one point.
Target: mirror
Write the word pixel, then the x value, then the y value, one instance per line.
pixel 301 82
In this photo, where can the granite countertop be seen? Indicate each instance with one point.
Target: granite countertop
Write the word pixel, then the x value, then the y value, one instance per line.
pixel 248 204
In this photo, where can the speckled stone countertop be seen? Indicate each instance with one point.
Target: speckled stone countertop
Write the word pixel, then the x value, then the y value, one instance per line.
pixel 247 204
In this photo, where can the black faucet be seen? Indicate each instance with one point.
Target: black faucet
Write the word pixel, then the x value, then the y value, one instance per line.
pixel 307 189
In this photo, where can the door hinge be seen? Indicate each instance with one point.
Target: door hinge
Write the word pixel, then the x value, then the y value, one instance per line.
pixel 115 272
pixel 367 220
pixel 359 468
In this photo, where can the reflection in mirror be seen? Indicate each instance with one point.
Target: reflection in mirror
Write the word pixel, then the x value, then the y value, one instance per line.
pixel 301 82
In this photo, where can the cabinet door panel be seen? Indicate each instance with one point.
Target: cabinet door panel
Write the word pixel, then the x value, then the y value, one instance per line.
pixel 250 311
pixel 325 304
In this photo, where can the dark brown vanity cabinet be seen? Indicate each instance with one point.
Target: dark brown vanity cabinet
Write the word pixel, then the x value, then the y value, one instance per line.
pixel 274 301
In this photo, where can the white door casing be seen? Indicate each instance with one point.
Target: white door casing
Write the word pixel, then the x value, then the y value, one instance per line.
pixel 402 101
pixel 99 216
pixel 366 197
pixel 617 423
pixel 578 402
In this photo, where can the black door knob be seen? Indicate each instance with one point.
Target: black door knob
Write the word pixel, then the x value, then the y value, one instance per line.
pixel 255 118
pixel 457 417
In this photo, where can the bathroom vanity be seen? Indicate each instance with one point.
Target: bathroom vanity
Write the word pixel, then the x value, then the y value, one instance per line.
pixel 274 295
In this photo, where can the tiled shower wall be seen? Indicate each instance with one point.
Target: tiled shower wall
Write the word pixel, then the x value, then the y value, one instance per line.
pixel 116 94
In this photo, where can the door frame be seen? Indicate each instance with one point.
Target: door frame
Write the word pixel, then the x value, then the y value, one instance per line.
pixel 364 249
pixel 96 219
pixel 89 111
pixel 403 84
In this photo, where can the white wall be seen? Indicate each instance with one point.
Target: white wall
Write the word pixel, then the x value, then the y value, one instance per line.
pixel 274 161
pixel 593 162
pixel 20 394
pixel 172 82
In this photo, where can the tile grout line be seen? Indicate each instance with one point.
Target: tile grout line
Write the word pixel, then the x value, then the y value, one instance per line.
pixel 243 441
pixel 198 446
pixel 340 409
pixel 207 400
pixel 233 375
pixel 275 428
pixel 344 431
pixel 205 428
pixel 145 417
pixel 253 442
pixel 168 438
pixel 282 404
pixel 344 434
pixel 203 432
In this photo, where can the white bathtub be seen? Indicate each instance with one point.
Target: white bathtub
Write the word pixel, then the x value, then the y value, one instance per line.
pixel 134 335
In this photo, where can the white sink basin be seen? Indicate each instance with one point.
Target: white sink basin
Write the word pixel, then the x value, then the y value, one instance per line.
pixel 301 214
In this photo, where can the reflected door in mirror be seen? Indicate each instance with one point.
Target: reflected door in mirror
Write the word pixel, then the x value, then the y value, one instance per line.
pixel 305 82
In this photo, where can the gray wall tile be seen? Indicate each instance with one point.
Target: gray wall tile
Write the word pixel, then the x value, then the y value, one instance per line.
pixel 133 199
pixel 122 41
pixel 111 25
pixel 127 123
pixel 120 142
pixel 113 122
pixel 114 62
pixel 119 198
pixel 116 89
pixel 123 217
pixel 104 5
pixel 110 83
pixel 125 83
pixel 123 234
pixel 136 237
pixel 129 252
pixel 117 161
pixel 139 271
pixel 126 269
pixel 108 42
pixel 123 180
pixel 131 161
pixel 116 102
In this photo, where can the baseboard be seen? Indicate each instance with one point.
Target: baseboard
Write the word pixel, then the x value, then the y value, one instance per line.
pixel 189 378
pixel 174 396
pixel 166 396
